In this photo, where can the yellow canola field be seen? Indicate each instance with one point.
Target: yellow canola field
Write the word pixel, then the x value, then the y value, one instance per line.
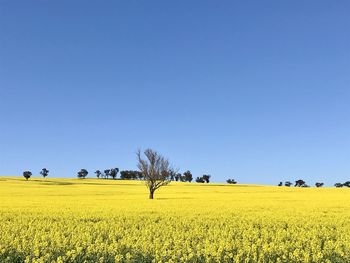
pixel 77 220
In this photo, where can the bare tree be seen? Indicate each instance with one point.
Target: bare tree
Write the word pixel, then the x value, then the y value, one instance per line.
pixel 155 168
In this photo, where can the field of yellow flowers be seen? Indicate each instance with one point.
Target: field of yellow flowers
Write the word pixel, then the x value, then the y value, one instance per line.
pixel 72 220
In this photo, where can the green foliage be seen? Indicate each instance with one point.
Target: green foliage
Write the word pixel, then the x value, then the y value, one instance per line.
pixel 231 181
pixel 44 172
pixel 131 175
pixel 82 173
pixel 27 174
pixel 188 176
pixel 98 173
pixel 203 179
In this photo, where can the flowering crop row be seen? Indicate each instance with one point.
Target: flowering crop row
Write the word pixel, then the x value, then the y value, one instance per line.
pixel 61 220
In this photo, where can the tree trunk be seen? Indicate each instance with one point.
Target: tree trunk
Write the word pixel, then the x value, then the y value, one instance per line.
pixel 151 193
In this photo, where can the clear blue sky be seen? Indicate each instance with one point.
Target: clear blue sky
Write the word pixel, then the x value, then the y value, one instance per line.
pixel 258 91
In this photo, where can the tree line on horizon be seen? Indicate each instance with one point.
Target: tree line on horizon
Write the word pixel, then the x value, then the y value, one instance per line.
pixel 132 175
pixel 173 176
pixel 156 171
pixel 302 183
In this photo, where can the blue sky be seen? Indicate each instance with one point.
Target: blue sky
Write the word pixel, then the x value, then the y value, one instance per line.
pixel 258 91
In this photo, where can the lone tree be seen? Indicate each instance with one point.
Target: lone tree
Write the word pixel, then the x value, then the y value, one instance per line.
pixel 155 168
pixel 27 174
pixel 44 172
pixel 98 173
pixel 82 173
pixel 338 185
pixel 280 184
pixel 113 172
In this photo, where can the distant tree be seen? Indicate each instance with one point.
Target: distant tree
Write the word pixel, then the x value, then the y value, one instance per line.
pixel 338 185
pixel 155 169
pixel 107 173
pixel 188 176
pixel 206 178
pixel 346 184
pixel 98 173
pixel 177 177
pixel 113 172
pixel 131 175
pixel 231 181
pixel 82 173
pixel 182 178
pixel 27 174
pixel 172 175
pixel 288 184
pixel 138 175
pixel 44 172
pixel 299 183
pixel 280 184
pixel 124 175
pixel 319 184
pixel 200 180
